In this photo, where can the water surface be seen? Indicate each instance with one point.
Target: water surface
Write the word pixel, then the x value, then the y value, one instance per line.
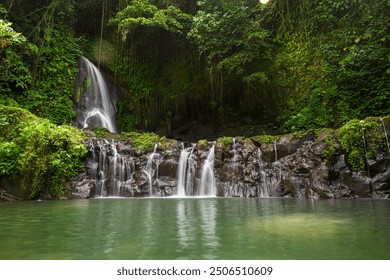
pixel 195 228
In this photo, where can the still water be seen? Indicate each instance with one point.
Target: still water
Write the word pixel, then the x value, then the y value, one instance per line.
pixel 195 228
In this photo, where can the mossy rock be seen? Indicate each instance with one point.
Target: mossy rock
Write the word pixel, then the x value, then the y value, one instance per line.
pixel 144 141
pixel 224 143
pixel 321 134
pixel 266 139
pixel 166 143
pixel 202 144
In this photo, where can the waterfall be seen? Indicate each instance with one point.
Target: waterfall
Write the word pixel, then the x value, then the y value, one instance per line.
pixel 149 168
pixel 186 181
pixel 207 182
pixel 184 171
pixel 99 108
pixel 110 171
pixel 190 175
pixel 234 147
pixel 276 151
pixel 99 166
pixel 235 157
pixel 271 182
pixel 263 190
pixel 277 163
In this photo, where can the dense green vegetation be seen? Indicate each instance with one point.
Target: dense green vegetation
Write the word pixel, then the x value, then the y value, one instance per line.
pixel 361 139
pixel 42 156
pixel 289 65
pixel 39 63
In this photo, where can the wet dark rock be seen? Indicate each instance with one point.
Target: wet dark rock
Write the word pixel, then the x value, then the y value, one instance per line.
pixel 381 182
pixel 301 171
pixel 288 188
pixel 379 166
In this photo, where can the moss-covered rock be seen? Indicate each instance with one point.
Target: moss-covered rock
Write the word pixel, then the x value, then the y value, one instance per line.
pixel 145 141
pixel 202 144
pixel 224 141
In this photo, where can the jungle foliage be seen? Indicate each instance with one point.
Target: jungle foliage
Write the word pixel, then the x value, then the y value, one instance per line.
pixel 38 62
pixel 288 64
pixel 295 64
pixel 40 155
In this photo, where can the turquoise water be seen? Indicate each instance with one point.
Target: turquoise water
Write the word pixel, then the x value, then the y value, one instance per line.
pixel 195 228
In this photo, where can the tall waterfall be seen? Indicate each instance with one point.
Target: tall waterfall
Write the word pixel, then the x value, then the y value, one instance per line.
pixel 98 104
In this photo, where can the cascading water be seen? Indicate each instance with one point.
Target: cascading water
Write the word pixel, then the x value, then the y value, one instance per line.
pixel 117 168
pixel 190 174
pixel 235 156
pixel 232 180
pixel 149 168
pixel 207 181
pixel 184 171
pixel 272 182
pixel 276 151
pixel 263 190
pixel 234 147
pixel 111 172
pixel 98 104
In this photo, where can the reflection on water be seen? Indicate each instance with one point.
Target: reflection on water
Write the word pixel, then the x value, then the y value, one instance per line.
pixel 183 229
pixel 195 228
pixel 208 223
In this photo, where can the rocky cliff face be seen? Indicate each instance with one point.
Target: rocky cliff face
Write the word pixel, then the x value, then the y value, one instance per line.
pixel 288 166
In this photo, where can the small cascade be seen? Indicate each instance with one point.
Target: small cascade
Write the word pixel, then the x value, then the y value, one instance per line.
pixel 99 106
pixel 233 166
pixel 387 138
pixel 263 190
pixel 277 163
pixel 207 182
pixel 184 171
pixel 190 174
pixel 99 166
pixel 234 147
pixel 111 172
pixel 270 183
pixel 153 157
pixel 276 151
pixel 235 157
